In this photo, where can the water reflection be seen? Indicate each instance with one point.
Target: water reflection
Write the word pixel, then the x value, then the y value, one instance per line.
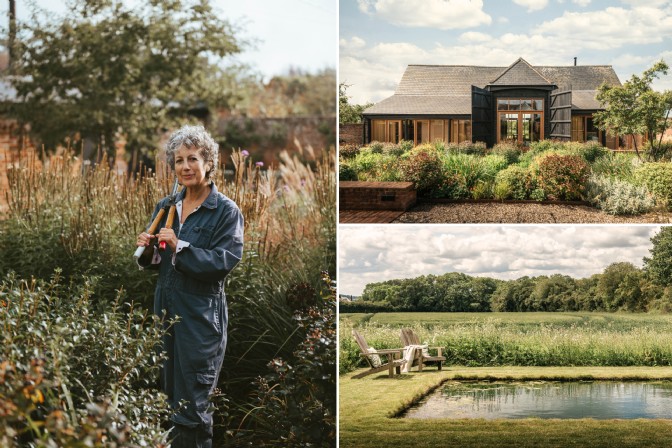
pixel 600 400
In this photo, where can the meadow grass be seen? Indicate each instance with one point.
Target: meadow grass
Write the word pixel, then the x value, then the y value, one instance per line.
pixel 522 339
pixel 367 407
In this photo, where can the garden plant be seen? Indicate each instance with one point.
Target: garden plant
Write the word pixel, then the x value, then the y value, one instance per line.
pixel 79 360
pixel 618 183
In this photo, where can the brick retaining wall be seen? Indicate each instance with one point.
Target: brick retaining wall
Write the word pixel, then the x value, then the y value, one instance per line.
pixel 376 195
pixel 351 134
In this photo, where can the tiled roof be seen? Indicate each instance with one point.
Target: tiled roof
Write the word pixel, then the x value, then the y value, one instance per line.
pixel 446 89
pixel 520 73
pixel 585 100
pixel 423 105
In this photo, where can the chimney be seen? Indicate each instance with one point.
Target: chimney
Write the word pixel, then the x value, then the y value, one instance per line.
pixel 574 61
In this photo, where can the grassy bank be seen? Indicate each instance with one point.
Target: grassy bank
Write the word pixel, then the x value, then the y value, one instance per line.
pixel 366 407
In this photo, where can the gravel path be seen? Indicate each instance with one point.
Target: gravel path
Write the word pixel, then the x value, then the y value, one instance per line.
pixel 494 212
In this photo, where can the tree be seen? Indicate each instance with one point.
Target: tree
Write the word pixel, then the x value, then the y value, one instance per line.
pixel 110 65
pixel 659 266
pixel 349 113
pixel 635 108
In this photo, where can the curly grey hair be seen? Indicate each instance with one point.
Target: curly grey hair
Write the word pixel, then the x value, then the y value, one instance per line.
pixel 193 137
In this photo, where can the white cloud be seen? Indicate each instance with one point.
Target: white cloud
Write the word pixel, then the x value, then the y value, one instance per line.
pixel 440 14
pixel 353 44
pixel 610 28
pixel 504 252
pixel 581 2
pixel 532 5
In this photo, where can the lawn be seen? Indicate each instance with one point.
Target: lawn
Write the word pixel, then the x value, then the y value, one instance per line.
pixel 367 406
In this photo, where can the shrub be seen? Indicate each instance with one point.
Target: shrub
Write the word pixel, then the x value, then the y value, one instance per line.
pixel 510 151
pixel 375 147
pixel 348 151
pixel 483 190
pixel 452 186
pixel 562 177
pixel 380 167
pixel 617 197
pixel 346 172
pixel 295 404
pixel 422 167
pixel 588 151
pixel 514 182
pixel 616 165
pixel 657 178
pixel 467 167
pixel 467 147
pixel 70 375
pixel 492 164
pixel 659 154
pixel 405 145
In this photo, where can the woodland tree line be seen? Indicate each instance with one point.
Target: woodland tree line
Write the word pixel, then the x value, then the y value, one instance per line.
pixel 622 286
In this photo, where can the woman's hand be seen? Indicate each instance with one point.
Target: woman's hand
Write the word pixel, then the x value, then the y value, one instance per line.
pixel 168 235
pixel 144 239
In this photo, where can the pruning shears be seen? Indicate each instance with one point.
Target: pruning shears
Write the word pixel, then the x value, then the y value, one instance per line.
pixel 170 207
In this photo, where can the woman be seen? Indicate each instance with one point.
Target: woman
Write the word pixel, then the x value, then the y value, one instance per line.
pixel 205 246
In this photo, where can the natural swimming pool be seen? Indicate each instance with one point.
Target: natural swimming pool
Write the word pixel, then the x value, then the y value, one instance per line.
pixel 544 399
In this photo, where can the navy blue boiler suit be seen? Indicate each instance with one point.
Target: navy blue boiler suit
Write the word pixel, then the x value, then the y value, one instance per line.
pixel 192 287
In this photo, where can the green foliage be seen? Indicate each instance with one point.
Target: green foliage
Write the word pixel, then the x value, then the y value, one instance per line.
pixel 296 403
pixel 524 339
pixel 657 178
pixel 349 113
pixel 110 65
pixel 562 177
pixel 514 182
pixel 346 172
pixel 70 373
pixel 348 151
pixel 422 167
pixel 616 166
pixel 658 265
pixel 88 223
pixel 510 151
pixel 372 164
pixel 618 197
pixel 634 108
pixel 466 147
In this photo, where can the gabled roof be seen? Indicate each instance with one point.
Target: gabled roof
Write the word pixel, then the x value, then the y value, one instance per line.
pixel 446 89
pixel 520 73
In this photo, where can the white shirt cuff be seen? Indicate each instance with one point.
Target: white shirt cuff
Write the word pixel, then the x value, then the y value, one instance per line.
pixel 180 245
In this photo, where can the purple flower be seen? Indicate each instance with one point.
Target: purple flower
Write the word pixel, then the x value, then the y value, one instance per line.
pixel 245 153
pixel 259 164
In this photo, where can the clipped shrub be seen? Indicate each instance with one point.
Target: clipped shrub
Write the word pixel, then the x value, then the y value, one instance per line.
pixel 617 197
pixel 348 151
pixel 510 151
pixel 657 178
pixel 346 172
pixel 423 168
pixel 513 182
pixel 562 177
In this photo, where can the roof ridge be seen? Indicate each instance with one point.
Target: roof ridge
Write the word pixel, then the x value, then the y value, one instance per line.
pixel 518 61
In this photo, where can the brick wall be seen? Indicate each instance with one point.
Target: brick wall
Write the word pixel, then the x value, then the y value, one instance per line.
pixel 11 156
pixel 376 195
pixel 350 134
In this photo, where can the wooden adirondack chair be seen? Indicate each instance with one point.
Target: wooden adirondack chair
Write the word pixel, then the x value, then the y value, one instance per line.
pixel 408 337
pixel 379 360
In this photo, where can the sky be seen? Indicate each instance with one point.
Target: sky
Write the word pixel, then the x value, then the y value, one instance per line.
pixel 289 33
pixel 368 254
pixel 379 38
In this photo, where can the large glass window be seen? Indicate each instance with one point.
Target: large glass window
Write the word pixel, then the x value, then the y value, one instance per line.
pixel 386 131
pixel 460 131
pixel 520 120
